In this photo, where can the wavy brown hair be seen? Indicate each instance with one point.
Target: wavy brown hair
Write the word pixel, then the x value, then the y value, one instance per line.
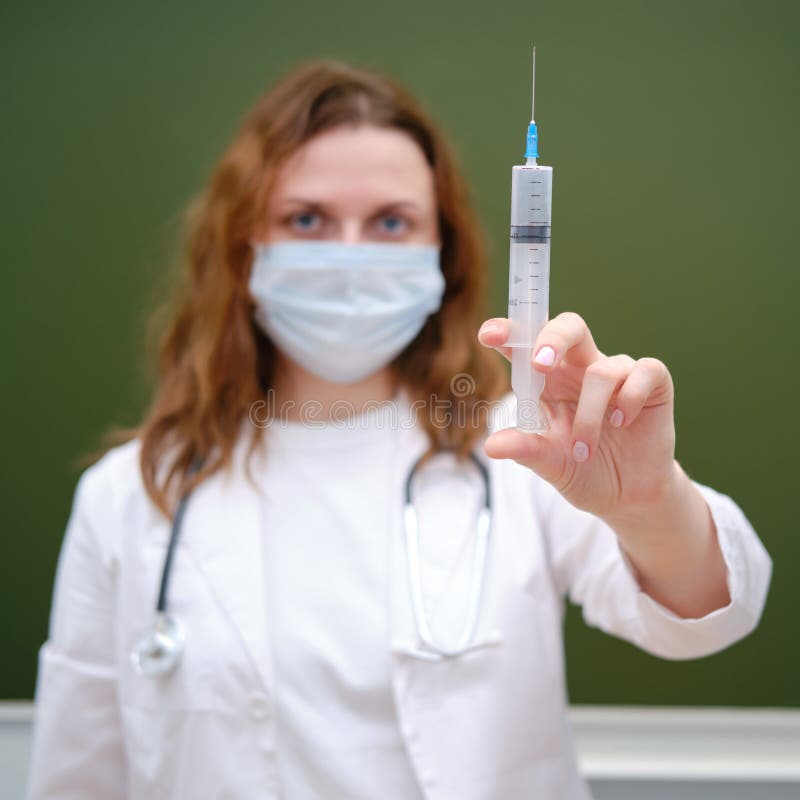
pixel 214 362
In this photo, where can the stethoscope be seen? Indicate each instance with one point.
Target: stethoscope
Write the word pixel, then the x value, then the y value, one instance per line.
pixel 159 651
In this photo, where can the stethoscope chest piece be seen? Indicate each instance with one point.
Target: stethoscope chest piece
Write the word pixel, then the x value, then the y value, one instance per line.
pixel 159 652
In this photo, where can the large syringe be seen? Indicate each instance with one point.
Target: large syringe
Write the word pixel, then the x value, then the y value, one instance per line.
pixel 529 276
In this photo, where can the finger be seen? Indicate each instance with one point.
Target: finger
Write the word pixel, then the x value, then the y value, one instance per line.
pixel 600 381
pixel 568 337
pixel 493 333
pixel 544 455
pixel 649 382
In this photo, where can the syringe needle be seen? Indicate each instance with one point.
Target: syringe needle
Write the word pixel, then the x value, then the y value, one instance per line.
pixel 533 82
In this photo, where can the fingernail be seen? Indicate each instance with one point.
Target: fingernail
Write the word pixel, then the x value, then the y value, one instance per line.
pixel 616 418
pixel 546 356
pixel 580 451
pixel 489 327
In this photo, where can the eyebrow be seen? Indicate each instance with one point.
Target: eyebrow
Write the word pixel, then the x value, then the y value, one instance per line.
pixel 315 204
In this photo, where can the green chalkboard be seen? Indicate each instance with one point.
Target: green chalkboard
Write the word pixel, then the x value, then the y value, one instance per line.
pixel 672 129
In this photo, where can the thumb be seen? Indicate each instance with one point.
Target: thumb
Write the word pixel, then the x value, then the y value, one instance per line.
pixel 539 452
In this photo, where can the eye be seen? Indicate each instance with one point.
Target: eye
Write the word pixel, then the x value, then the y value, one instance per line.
pixel 307 222
pixel 392 223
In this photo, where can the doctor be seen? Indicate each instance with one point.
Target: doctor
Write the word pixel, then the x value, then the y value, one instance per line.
pixel 324 341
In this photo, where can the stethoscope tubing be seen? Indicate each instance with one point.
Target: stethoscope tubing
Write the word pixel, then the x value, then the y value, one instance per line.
pixel 430 650
pixel 160 650
pixel 177 524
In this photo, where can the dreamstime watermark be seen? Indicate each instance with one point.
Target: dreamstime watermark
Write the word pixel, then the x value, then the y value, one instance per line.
pixel 461 409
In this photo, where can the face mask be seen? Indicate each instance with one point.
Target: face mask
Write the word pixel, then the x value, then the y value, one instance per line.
pixel 344 311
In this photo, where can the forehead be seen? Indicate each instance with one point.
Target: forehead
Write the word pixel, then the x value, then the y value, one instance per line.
pixel 363 162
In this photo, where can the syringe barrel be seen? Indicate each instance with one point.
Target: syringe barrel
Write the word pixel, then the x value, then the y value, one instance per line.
pixel 529 259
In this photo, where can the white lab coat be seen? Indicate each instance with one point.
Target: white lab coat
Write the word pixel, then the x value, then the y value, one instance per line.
pixel 489 724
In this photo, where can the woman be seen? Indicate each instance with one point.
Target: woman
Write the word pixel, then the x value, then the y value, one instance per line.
pixel 324 342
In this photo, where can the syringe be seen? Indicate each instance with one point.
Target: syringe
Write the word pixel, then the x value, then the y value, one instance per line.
pixel 529 276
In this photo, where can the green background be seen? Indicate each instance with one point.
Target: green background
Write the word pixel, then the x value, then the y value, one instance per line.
pixel 672 129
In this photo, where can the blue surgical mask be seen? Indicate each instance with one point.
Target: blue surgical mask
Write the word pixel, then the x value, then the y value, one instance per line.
pixel 344 311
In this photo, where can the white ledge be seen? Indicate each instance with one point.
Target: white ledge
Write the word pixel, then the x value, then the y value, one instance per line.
pixel 619 743
pixel 708 744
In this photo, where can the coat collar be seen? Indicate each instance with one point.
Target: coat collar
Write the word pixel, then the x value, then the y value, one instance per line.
pixel 223 532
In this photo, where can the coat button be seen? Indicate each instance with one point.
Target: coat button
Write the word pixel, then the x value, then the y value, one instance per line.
pixel 259 705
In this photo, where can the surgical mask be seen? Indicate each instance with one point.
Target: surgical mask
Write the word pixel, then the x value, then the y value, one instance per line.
pixel 344 311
